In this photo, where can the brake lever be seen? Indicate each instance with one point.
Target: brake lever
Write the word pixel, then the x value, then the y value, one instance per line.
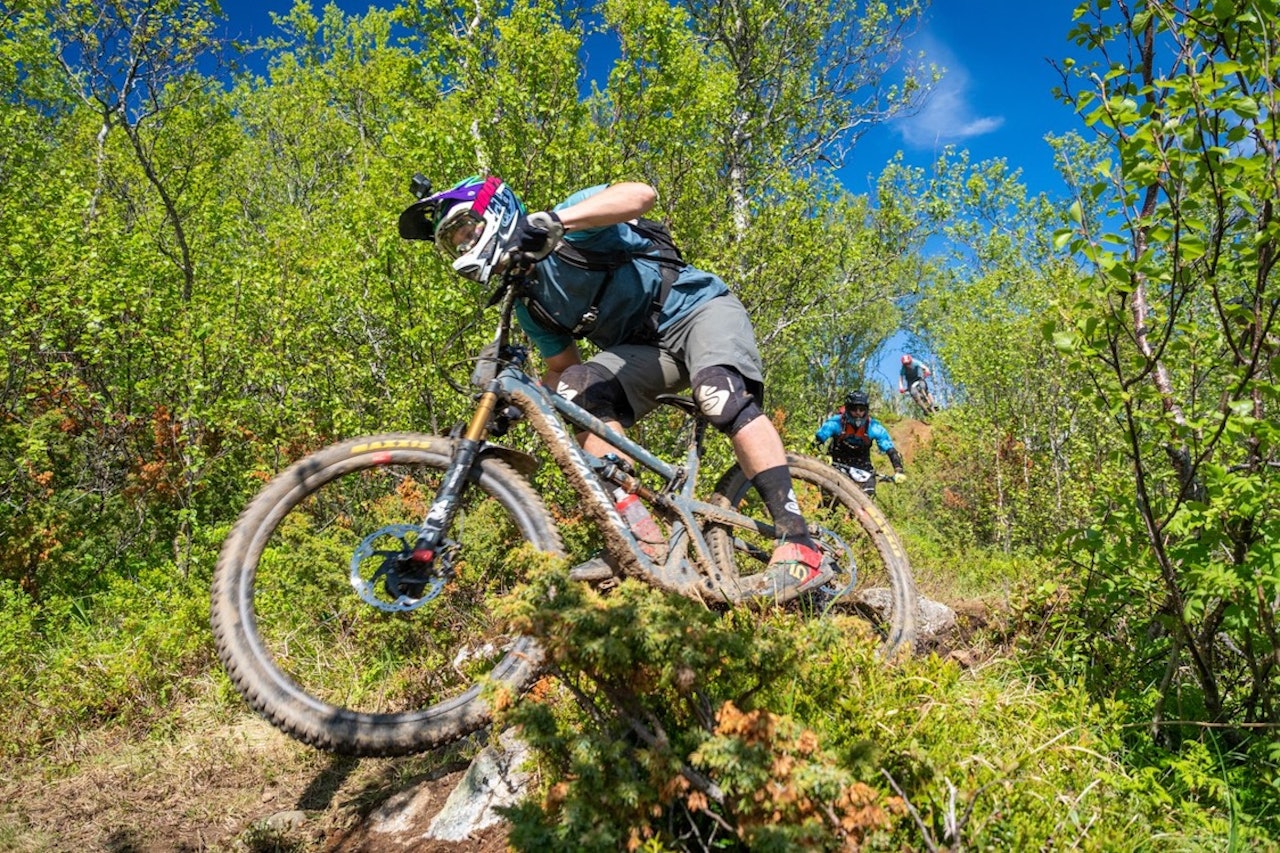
pixel 521 264
pixel 516 272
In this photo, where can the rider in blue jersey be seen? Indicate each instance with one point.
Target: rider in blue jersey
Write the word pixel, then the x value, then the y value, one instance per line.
pixel 911 373
pixel 852 432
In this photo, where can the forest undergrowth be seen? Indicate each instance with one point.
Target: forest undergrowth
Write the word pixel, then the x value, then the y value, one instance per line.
pixel 981 740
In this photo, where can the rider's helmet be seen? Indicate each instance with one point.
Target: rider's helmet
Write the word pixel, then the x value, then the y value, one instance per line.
pixel 856 408
pixel 472 224
pixel 906 360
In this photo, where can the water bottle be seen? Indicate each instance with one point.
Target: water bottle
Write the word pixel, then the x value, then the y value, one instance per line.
pixel 636 516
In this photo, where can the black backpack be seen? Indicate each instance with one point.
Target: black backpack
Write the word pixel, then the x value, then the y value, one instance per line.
pixel 663 250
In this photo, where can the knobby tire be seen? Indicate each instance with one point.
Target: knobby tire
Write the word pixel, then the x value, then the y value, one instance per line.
pixel 330 669
pixel 830 500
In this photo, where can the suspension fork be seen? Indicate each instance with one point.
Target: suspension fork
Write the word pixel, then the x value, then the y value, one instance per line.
pixel 466 452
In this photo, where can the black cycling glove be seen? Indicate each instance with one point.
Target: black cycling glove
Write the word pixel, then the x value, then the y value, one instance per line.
pixel 538 234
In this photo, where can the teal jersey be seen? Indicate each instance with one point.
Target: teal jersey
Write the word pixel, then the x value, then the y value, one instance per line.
pixel 625 302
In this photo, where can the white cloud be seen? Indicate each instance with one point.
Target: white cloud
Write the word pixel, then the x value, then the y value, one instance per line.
pixel 947 116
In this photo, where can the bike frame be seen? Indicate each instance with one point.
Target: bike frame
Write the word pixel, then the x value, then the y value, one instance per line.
pixel 872 476
pixel 548 413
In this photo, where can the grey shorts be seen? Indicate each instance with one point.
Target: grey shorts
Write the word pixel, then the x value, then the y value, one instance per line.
pixel 717 332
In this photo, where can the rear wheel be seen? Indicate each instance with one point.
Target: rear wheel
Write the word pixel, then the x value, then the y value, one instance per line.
pixel 840 512
pixel 343 634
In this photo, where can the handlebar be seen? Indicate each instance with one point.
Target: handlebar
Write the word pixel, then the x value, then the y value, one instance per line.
pixel 850 469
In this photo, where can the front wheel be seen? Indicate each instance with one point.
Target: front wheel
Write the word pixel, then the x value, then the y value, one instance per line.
pixel 836 507
pixel 345 636
pixel 920 393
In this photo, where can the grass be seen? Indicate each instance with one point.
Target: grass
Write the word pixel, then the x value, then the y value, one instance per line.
pixel 212 781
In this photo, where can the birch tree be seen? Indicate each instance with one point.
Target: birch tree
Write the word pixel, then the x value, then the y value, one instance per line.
pixel 1178 331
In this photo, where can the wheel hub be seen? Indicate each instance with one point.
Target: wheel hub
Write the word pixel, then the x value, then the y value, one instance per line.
pixel 406 576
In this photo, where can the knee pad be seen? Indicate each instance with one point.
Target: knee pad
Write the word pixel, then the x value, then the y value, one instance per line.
pixel 596 390
pixel 722 396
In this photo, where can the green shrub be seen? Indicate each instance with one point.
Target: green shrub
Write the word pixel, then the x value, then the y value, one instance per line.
pixel 669 726
pixel 122 655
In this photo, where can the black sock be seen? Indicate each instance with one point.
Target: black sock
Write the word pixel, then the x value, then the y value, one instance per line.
pixel 774 485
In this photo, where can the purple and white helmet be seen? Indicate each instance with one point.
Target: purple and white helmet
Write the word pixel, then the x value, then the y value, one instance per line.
pixel 473 224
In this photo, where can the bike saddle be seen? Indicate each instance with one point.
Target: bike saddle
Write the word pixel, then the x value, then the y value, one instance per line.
pixel 684 404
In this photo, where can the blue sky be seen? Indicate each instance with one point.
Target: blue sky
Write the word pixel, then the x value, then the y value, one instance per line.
pixel 995 99
pixel 996 96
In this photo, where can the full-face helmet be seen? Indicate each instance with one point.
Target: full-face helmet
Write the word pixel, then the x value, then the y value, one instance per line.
pixel 472 224
pixel 856 408
pixel 906 360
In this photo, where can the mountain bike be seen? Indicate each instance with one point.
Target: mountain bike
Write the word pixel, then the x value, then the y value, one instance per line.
pixel 920 394
pixel 866 480
pixel 352 600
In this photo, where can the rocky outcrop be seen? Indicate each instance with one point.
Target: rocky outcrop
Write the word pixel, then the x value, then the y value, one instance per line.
pixel 496 778
pixel 933 619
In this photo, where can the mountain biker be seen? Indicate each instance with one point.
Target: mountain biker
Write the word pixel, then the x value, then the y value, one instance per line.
pixel 854 431
pixel 660 325
pixel 911 373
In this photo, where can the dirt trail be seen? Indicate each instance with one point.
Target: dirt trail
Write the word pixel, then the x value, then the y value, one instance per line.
pixel 910 436
pixel 226 785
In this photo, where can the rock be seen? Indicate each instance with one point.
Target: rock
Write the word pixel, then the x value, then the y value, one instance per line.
pixel 494 779
pixel 285 821
pixel 933 618
pixel 402 813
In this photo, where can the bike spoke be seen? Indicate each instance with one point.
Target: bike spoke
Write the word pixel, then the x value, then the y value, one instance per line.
pixel 869 555
pixel 346 651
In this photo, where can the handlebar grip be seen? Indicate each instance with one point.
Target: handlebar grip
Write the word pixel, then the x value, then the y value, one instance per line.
pixel 520 263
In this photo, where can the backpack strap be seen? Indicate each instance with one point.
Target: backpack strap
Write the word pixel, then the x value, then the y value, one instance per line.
pixel 586 323
pixel 664 251
pixel 670 262
pixel 848 430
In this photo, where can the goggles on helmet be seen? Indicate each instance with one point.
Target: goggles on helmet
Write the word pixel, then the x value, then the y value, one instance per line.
pixel 476 221
pixel 458 231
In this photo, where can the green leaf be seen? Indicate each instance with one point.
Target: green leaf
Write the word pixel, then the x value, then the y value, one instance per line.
pixel 1241 408
pixel 1245 107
